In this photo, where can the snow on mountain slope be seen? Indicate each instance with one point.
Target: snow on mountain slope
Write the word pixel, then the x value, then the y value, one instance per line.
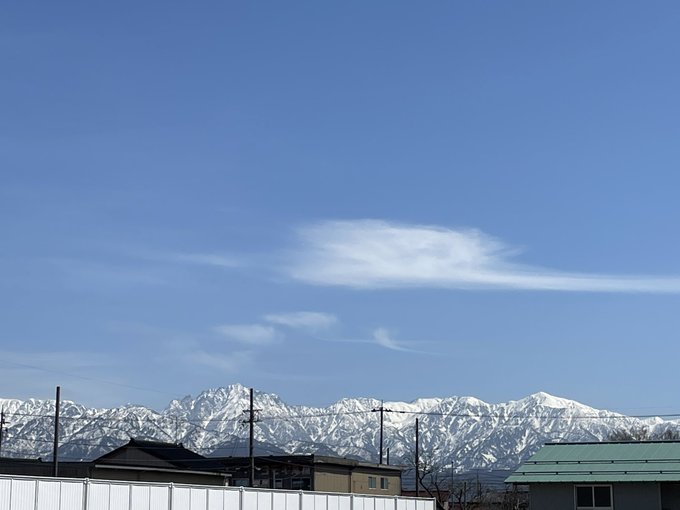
pixel 464 431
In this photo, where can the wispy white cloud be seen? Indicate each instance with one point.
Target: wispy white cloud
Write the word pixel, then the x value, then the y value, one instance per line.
pixel 131 267
pixel 205 259
pixel 381 254
pixel 382 338
pixel 197 258
pixel 250 334
pixel 313 321
pixel 86 274
pixel 231 363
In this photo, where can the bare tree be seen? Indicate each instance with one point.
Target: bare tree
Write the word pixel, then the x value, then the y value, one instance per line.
pixel 514 499
pixel 668 435
pixel 642 433
pixel 431 477
pixel 469 495
pixel 449 490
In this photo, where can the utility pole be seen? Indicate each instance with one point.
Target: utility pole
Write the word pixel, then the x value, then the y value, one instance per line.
pixel 382 411
pixel 251 450
pixel 2 426
pixel 417 462
pixel 382 414
pixel 55 456
pixel 451 489
pixel 388 456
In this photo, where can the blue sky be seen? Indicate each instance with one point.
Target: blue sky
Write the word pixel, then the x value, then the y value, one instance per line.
pixel 340 199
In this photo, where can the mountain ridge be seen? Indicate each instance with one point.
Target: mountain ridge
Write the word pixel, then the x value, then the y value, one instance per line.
pixel 464 431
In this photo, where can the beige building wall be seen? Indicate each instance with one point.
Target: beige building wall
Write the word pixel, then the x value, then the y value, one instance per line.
pixel 376 484
pixel 359 482
pixel 332 482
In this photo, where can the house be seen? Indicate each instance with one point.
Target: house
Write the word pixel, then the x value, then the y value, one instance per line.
pixel 155 461
pixel 137 460
pixel 316 473
pixel 627 475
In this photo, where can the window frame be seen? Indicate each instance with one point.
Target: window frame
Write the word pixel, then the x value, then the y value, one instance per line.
pixel 372 482
pixel 592 486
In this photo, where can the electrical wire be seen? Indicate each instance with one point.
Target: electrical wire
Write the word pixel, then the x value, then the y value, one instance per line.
pixel 180 423
pixel 350 413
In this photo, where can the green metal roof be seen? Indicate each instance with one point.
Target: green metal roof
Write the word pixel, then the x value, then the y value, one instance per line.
pixel 642 461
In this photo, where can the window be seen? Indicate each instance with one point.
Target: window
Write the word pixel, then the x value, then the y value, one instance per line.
pixel 384 483
pixel 371 482
pixel 594 497
pixel 301 484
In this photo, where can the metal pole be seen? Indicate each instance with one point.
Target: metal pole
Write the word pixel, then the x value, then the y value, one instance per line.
pixel 55 455
pixel 382 410
pixel 251 450
pixel 417 463
pixel 451 489
pixel 86 493
pixel 2 426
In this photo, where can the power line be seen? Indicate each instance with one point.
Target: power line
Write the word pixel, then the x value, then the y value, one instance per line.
pixel 315 415
pixel 83 377
pixel 126 425
pixel 367 411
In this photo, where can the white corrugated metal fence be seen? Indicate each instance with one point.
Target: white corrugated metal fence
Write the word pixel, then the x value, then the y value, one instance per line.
pixel 36 493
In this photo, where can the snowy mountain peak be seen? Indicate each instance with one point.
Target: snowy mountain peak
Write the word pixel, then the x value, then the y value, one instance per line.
pixel 479 434
pixel 547 400
pixel 213 397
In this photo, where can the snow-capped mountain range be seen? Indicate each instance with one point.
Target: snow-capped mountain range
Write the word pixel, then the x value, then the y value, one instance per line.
pixel 465 431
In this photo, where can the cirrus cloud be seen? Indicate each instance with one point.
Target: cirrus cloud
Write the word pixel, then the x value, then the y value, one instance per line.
pixel 249 334
pixel 207 259
pixel 381 254
pixel 312 321
pixel 229 363
pixel 383 338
